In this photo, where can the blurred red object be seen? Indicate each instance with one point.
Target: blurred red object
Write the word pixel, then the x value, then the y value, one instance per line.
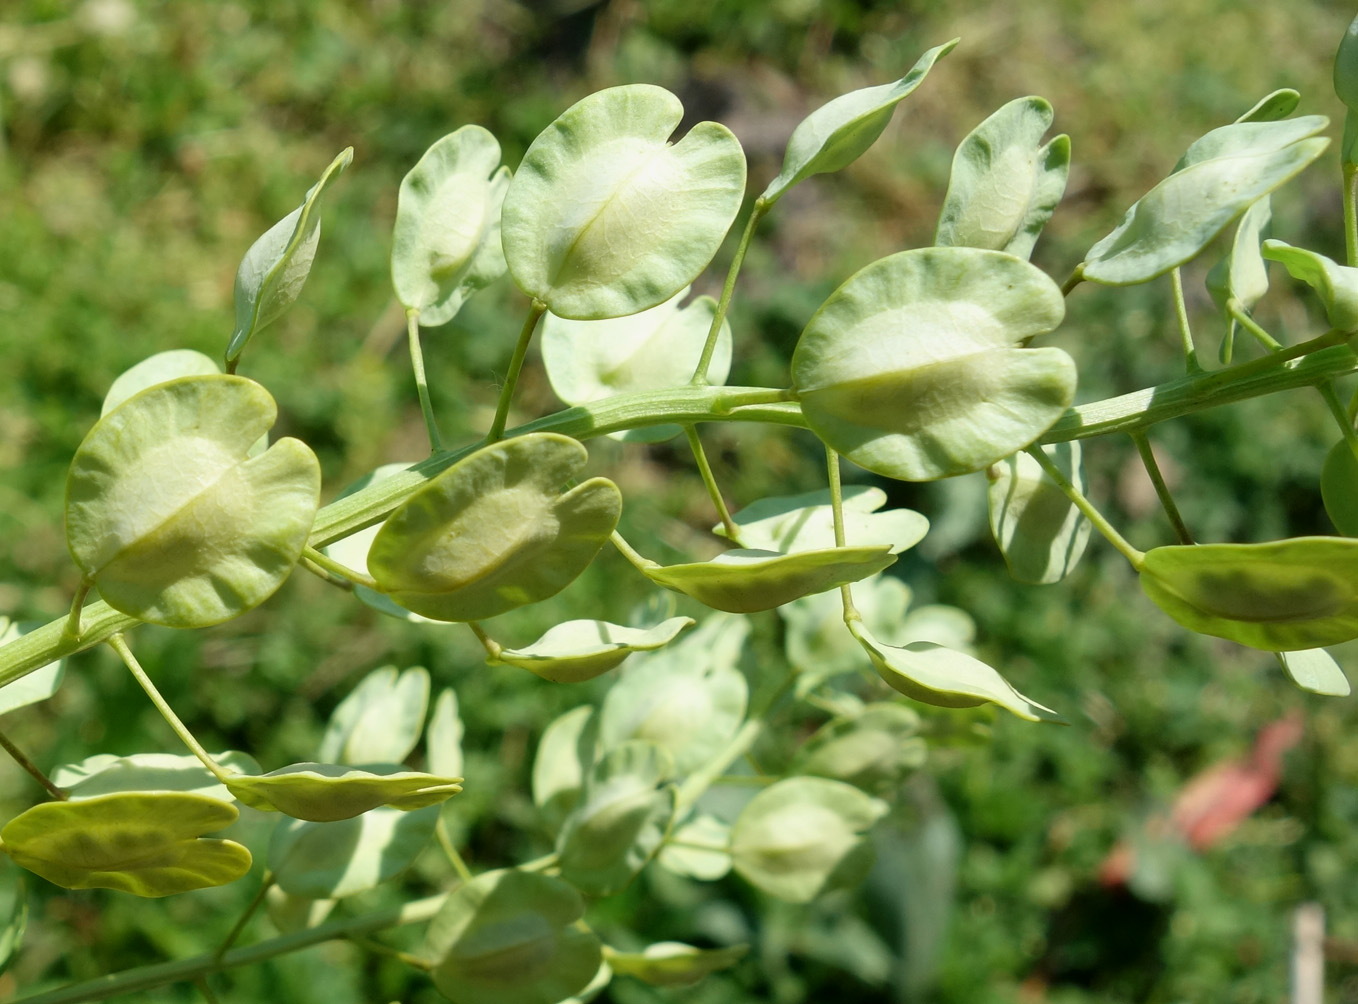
pixel 1216 801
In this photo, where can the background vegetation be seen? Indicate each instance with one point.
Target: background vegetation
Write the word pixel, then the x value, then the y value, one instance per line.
pixel 147 142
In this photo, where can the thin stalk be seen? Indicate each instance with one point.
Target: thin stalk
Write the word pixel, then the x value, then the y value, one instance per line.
pixel 1341 416
pixel 338 581
pixel 746 780
pixel 244 918
pixel 73 629
pixel 497 427
pixel 1137 558
pixel 493 648
pixel 688 845
pixel 377 948
pixel 421 383
pixel 1077 276
pixel 340 569
pixel 120 646
pixel 541 864
pixel 702 778
pixel 1176 281
pixel 727 290
pixel 1350 214
pixel 145 978
pixel 1152 466
pixel 450 851
pixel 32 768
pixel 1249 324
pixel 630 553
pixel 837 512
pixel 203 988
pixel 705 469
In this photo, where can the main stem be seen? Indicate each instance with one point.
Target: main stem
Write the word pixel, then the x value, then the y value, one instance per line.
pixel 1350 212
pixel 180 729
pixel 727 290
pixel 421 383
pixel 187 970
pixel 497 427
pixel 1326 358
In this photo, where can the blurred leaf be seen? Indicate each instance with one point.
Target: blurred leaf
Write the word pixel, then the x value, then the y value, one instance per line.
pixel 508 937
pixel 840 131
pixel 295 913
pixel 1040 532
pixel 1218 178
pixel 446 242
pixel 1241 278
pixel 274 270
pixel 655 349
pixel 494 531
pixel 324 792
pixel 803 836
pixel 937 675
pixel 873 750
pixel 165 513
pixel 145 843
pixel 673 964
pixel 1005 182
pixel 1277 596
pixel 15 919
pixel 688 698
pixel 623 815
pixel 443 737
pixel 581 650
pixel 565 756
pixel 791 523
pixel 605 217
pixel 380 720
pixel 332 860
pixel 1338 489
pixel 913 367
pixel 698 849
pixel 1346 67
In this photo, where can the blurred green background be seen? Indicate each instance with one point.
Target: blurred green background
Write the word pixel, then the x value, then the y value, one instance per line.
pixel 146 143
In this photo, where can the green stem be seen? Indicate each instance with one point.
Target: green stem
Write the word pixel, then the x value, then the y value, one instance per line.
pixel 1137 558
pixel 541 864
pixel 454 858
pixel 205 990
pixel 145 978
pixel 639 562
pixel 421 383
pixel 727 290
pixel 689 845
pixel 1249 324
pixel 493 648
pixel 705 469
pixel 72 629
pixel 1176 281
pixel 746 780
pixel 702 778
pixel 340 569
pixel 837 513
pixel 497 427
pixel 28 765
pixel 1077 276
pixel 377 948
pixel 244 918
pixel 120 646
pixel 1341 416
pixel 1350 214
pixel 1326 358
pixel 1152 466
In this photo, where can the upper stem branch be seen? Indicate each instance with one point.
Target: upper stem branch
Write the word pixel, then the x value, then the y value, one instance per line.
pixel 497 427
pixel 729 288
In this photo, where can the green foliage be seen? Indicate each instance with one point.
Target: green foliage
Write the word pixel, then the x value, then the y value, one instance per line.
pixel 762 746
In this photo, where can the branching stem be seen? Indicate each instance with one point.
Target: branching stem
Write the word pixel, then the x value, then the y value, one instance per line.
pixel 1176 281
pixel 180 729
pixel 421 383
pixel 337 568
pixel 497 427
pixel 32 768
pixel 705 469
pixel 255 902
pixel 1137 558
pixel 1152 466
pixel 73 629
pixel 727 290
